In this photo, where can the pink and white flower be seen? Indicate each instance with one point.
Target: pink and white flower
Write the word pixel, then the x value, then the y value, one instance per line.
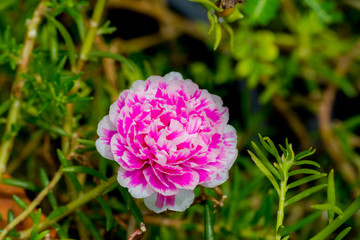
pixel 168 136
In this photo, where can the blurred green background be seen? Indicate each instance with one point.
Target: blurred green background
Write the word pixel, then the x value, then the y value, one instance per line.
pixel 292 71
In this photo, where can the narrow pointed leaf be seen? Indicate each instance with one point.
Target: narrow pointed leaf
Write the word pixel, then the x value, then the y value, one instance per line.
pixel 265 161
pixel 305 194
pixel 23 205
pixel 107 211
pixel 89 225
pixel 212 20
pixel 218 34
pixel 68 41
pixel 308 162
pixel 231 34
pixel 21 184
pixel 301 223
pixel 71 175
pixel 265 171
pixel 60 231
pixel 35 227
pixel 131 205
pixel 305 180
pixel 343 233
pixel 42 235
pixel 272 149
pixel 208 225
pixel 51 195
pixel 84 169
pixel 57 212
pixel 305 154
pixel 303 171
pixel 331 194
pixel 88 143
pixel 328 207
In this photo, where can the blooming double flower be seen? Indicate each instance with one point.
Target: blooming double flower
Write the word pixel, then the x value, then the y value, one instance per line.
pixel 168 136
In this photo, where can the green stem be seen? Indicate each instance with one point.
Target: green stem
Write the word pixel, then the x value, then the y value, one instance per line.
pixel 7 144
pixel 72 206
pixel 355 206
pixel 33 204
pixel 281 209
pixel 19 81
pixel 91 34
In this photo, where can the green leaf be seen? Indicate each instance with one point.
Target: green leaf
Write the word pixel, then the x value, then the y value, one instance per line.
pixel 305 180
pixel 231 34
pixel 21 184
pixel 264 160
pixel 308 162
pixel 234 16
pixel 213 20
pixel 41 235
pixel 10 216
pixel 106 29
pixel 35 226
pixel 68 41
pixel 261 11
pixel 265 171
pixel 286 237
pixel 218 34
pixel 84 169
pixel 89 225
pixel 343 233
pixel 270 147
pixel 209 4
pixel 305 153
pixel 23 205
pixel 301 223
pixel 88 143
pixel 328 207
pixel 51 195
pixel 71 175
pixel 107 211
pixel 79 20
pixel 208 224
pixel 331 195
pixel 60 231
pixel 57 212
pixel 304 171
pixel 305 194
pixel 131 205
pixel 115 56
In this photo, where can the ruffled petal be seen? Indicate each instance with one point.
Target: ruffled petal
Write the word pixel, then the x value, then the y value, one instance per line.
pixel 159 183
pixel 188 180
pixel 106 131
pixel 135 182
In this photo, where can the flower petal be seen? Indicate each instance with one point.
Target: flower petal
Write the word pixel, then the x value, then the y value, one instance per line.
pixel 179 202
pixel 106 131
pixel 135 182
pixel 221 177
pixel 187 180
pixel 159 183
pixel 173 76
pixel 230 141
